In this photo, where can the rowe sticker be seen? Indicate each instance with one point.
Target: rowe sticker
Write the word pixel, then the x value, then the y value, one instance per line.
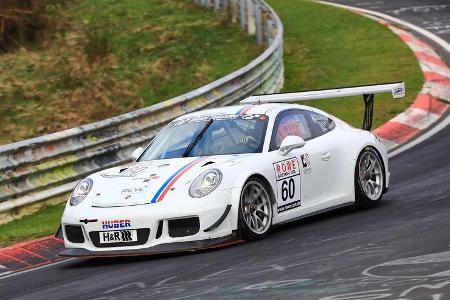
pixel 287 173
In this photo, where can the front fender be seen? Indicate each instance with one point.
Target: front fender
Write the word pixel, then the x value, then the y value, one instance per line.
pixel 238 185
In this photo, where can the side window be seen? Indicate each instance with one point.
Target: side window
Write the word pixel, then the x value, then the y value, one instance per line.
pixel 291 122
pixel 319 124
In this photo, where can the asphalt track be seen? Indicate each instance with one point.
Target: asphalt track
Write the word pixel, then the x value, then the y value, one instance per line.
pixel 399 250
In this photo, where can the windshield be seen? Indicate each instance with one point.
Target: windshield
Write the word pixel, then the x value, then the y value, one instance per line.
pixel 224 134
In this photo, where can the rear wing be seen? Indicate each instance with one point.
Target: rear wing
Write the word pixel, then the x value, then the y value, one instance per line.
pixel 397 89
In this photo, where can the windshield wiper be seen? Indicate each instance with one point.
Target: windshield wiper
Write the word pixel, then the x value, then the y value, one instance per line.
pixel 197 138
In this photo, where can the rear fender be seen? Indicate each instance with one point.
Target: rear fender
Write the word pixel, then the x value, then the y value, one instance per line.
pixel 382 153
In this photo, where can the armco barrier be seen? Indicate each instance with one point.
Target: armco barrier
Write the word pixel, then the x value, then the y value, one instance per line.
pixel 40 168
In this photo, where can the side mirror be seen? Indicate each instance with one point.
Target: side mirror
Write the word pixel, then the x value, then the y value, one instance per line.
pixel 289 143
pixel 137 153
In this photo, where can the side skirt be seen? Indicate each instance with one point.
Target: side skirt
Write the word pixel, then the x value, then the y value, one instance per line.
pixel 348 204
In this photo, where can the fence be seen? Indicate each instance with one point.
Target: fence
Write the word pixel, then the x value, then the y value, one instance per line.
pixel 43 167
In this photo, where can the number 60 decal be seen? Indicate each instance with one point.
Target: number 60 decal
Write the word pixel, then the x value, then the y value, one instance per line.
pixel 288 189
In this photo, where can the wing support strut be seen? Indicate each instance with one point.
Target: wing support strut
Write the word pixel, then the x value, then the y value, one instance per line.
pixel 368 111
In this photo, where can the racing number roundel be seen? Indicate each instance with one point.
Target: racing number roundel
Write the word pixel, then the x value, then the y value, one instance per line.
pixel 287 173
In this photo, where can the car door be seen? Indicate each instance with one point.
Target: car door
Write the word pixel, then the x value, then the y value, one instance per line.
pixel 303 175
pixel 321 150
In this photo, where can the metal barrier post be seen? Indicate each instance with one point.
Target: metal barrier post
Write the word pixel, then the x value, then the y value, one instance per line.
pixel 216 5
pixel 243 13
pixel 258 24
pixel 251 17
pixel 234 10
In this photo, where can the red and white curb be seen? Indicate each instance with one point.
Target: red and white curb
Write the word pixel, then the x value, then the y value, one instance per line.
pixel 30 254
pixel 426 109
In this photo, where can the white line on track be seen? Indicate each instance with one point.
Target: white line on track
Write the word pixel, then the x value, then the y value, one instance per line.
pixel 38 268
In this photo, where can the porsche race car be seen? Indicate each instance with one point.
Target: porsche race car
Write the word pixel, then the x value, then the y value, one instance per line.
pixel 227 174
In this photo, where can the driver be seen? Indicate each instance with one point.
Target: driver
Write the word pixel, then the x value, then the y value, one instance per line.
pixel 249 139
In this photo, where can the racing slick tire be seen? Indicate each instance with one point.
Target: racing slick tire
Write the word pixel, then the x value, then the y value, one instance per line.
pixel 255 210
pixel 369 179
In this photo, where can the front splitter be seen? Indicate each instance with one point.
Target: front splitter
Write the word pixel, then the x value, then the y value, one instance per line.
pixel 158 249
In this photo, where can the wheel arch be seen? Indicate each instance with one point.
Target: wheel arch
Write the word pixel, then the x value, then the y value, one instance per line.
pixel 236 195
pixel 267 185
pixel 383 163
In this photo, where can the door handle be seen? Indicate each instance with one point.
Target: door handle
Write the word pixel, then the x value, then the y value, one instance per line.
pixel 326 156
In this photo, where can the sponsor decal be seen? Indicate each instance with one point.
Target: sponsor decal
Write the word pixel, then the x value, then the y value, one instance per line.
pixel 167 185
pixel 220 117
pixel 287 173
pixel 118 236
pixel 114 224
pixel 132 190
pixel 289 206
pixel 127 172
pixel 85 221
pixel 151 177
pixel 398 91
pixel 251 117
pixel 286 168
pixel 306 163
pixel 204 119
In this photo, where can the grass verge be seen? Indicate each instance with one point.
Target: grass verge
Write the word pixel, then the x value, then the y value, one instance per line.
pixel 101 58
pixel 42 223
pixel 330 47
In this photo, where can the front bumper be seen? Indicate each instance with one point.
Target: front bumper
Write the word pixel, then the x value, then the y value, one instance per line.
pixel 214 227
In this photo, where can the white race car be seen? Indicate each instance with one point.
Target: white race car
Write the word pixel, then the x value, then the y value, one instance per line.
pixel 227 174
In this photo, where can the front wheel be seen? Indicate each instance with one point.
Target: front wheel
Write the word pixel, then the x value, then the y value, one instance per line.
pixel 369 179
pixel 255 210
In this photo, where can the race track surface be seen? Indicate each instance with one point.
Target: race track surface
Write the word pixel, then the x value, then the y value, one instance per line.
pixel 399 250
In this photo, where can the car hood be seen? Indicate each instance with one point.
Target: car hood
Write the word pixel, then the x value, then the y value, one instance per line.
pixel 148 182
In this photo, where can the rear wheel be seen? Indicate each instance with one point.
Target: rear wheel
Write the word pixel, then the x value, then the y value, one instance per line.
pixel 369 179
pixel 255 210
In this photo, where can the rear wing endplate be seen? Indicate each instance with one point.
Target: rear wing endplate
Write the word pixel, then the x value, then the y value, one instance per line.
pixel 397 89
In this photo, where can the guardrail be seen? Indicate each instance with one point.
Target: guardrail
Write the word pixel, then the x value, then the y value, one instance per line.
pixel 43 167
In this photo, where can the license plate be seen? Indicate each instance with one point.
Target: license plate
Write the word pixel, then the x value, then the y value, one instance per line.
pixel 119 236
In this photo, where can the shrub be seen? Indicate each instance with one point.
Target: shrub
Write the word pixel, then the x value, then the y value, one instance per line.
pixel 98 40
pixel 20 21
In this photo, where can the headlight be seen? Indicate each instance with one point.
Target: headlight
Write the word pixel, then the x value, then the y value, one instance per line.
pixel 204 184
pixel 81 191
